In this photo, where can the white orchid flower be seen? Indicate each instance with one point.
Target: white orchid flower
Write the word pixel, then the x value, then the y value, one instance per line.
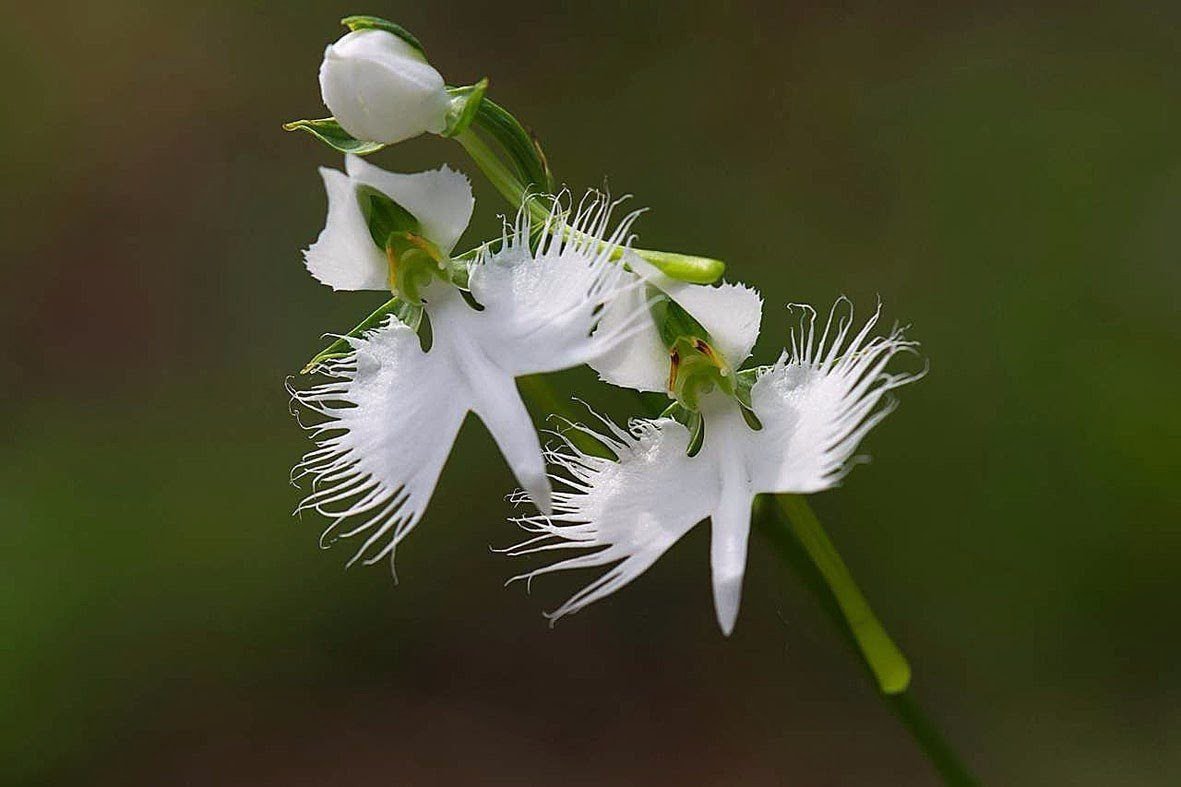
pixel 392 409
pixel 813 406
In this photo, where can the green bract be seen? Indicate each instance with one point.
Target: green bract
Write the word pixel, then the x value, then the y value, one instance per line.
pixel 522 147
pixel 328 131
pixel 465 104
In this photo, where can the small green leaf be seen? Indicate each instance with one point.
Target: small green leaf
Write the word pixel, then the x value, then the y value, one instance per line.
pixel 363 22
pixel 465 103
pixel 409 314
pixel 328 131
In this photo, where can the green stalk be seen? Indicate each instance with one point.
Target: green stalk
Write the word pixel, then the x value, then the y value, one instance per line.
pixel 771 520
pixel 684 267
pixel 885 661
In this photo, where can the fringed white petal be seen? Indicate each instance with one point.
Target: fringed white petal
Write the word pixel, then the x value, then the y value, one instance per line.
pixel 541 306
pixel 344 256
pixel 623 514
pixel 820 399
pixel 441 199
pixel 390 415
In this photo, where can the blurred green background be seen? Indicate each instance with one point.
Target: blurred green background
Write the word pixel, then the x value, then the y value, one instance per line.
pixel 1006 176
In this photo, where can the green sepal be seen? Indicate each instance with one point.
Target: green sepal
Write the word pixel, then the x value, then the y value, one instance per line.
pixel 465 104
pixel 407 313
pixel 672 321
pixel 522 147
pixel 364 22
pixel 384 216
pixel 328 131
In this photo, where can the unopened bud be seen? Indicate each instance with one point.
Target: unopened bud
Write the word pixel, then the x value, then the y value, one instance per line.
pixel 380 88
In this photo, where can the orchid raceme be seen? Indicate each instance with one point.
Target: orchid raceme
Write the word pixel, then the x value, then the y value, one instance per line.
pixel 810 411
pixel 563 287
pixel 391 410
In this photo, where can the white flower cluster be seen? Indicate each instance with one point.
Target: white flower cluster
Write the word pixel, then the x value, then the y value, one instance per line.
pixel 558 290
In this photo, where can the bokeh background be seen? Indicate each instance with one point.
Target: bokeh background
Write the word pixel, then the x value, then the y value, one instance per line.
pixel 1006 176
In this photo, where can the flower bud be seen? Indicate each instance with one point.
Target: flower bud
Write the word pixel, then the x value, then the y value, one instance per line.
pixel 381 89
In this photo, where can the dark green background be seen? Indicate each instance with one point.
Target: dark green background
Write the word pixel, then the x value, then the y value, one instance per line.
pixel 1006 176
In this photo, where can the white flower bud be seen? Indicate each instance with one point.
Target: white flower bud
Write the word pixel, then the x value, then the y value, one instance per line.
pixel 381 89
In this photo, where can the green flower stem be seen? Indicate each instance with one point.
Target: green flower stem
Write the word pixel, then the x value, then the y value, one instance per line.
pixel 791 543
pixel 685 267
pixel 885 661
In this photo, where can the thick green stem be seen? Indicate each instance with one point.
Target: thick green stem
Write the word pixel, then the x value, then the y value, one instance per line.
pixel 684 267
pixel 887 663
